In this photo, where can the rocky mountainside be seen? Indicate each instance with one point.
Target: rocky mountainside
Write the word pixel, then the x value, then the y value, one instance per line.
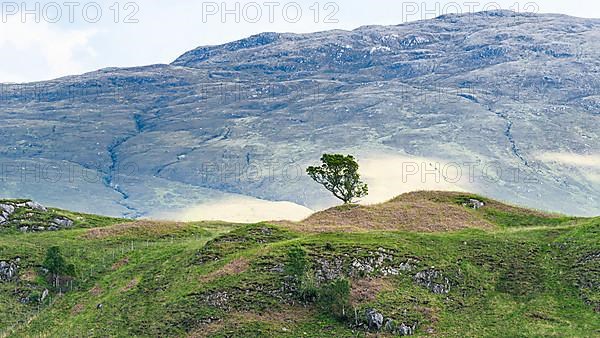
pixel 517 95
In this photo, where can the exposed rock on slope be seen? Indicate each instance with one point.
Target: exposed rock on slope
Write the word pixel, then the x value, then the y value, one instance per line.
pixel 30 216
pixel 246 117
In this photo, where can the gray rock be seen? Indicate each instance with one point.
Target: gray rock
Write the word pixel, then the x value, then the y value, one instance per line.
pixel 374 319
pixel 405 330
pixel 401 330
pixel 44 295
pixel 8 270
pixel 329 269
pixel 35 206
pixel 63 222
pixel 474 204
pixel 433 280
pixel 7 209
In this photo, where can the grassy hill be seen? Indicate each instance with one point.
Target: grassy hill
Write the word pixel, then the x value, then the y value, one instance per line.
pixel 426 263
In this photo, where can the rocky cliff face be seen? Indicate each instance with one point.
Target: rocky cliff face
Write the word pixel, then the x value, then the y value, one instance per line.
pixel 516 94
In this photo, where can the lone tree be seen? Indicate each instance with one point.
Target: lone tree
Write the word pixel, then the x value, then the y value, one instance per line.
pixel 339 174
pixel 57 265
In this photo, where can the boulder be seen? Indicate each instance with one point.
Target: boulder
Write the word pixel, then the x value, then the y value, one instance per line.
pixel 35 206
pixel 474 204
pixel 405 330
pixel 6 210
pixel 63 222
pixel 374 319
pixel 8 270
pixel 401 330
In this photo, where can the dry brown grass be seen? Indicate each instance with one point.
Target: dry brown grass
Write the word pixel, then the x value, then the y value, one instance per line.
pixel 77 309
pixel 449 196
pixel 96 291
pixel 132 283
pixel 366 290
pixel 29 275
pixel 234 267
pixel 120 263
pixel 419 211
pixel 137 228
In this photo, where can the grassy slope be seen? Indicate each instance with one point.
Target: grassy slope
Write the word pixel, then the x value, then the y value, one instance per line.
pixel 525 274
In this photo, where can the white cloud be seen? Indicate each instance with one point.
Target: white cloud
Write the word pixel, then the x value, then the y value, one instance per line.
pixel 42 50
pixel 391 175
pixel 239 209
pixel 586 165
pixel 570 159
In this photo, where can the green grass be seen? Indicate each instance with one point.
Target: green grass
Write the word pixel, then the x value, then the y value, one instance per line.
pixel 533 276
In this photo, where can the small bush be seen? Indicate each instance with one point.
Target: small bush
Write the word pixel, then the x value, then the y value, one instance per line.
pixel 308 291
pixel 334 298
pixel 297 264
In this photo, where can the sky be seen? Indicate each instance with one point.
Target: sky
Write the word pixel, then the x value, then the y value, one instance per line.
pixel 41 40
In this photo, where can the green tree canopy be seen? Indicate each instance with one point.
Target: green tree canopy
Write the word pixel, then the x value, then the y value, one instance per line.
pixel 339 174
pixel 56 263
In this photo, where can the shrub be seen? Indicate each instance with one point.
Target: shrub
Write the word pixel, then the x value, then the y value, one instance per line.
pixel 297 264
pixel 334 298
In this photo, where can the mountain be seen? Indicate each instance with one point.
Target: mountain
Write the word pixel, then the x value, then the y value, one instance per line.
pixel 501 103
pixel 487 269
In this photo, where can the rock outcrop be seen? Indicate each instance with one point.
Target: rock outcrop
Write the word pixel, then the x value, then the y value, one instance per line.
pixel 474 204
pixel 30 216
pixel 433 280
pixel 374 319
pixel 9 270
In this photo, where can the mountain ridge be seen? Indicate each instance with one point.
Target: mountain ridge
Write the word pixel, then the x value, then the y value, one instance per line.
pixel 485 88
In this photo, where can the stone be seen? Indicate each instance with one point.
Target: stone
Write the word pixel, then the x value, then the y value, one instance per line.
pixel 329 270
pixel 405 330
pixel 63 222
pixel 433 280
pixel 35 206
pixel 44 295
pixel 474 204
pixel 374 319
pixel 7 209
pixel 8 270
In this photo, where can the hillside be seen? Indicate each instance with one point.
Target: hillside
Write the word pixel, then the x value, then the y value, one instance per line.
pixel 246 117
pixel 490 270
